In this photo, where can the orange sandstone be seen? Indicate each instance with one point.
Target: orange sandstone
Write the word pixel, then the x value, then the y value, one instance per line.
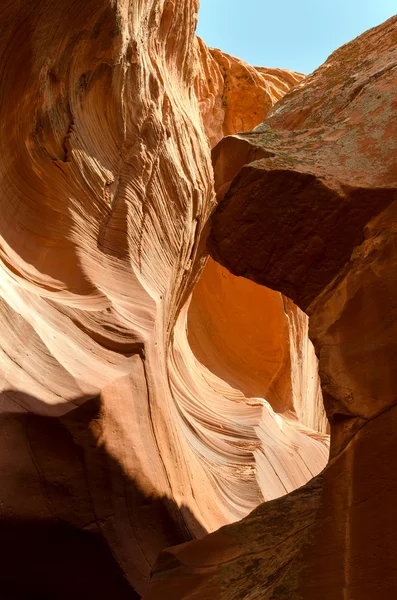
pixel 308 208
pixel 116 440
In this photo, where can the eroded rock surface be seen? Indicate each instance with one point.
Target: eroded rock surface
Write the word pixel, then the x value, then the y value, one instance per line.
pixel 116 440
pixel 243 560
pixel 310 209
pixel 233 95
pixel 273 358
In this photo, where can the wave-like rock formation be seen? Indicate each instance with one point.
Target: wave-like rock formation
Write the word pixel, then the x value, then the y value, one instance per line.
pixel 309 208
pixel 273 358
pixel 133 415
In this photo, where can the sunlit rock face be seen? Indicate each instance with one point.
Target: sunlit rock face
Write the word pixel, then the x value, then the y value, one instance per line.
pixel 250 344
pixel 233 95
pixel 310 209
pixel 118 440
pixel 250 336
pixel 256 340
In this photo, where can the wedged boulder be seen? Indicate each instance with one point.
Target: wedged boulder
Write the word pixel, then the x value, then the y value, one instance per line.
pixel 315 219
pixel 315 172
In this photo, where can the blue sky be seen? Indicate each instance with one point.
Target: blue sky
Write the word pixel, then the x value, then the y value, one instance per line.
pixel 290 34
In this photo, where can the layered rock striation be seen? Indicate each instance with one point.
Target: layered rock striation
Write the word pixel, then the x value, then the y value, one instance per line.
pixel 308 207
pixel 129 423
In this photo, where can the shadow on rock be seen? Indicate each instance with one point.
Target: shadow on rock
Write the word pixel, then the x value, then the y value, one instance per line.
pixel 73 524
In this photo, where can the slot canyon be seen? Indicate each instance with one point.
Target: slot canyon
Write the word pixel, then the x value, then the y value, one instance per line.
pixel 198 299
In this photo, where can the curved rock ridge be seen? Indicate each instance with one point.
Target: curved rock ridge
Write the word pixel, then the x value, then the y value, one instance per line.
pixel 252 453
pixel 107 184
pixel 273 358
pixel 256 340
pixel 310 209
pixel 254 365
pixel 115 437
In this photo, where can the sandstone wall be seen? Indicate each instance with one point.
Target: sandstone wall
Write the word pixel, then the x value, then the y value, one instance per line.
pixel 309 209
pixel 116 441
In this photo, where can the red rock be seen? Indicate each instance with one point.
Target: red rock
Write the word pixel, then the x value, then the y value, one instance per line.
pixel 107 185
pixel 309 209
pixel 273 358
pixel 233 95
pixel 116 441
pixel 244 560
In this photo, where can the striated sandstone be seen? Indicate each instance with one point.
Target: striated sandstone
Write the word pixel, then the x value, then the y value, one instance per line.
pixel 273 357
pixel 106 180
pixel 116 440
pixel 309 209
